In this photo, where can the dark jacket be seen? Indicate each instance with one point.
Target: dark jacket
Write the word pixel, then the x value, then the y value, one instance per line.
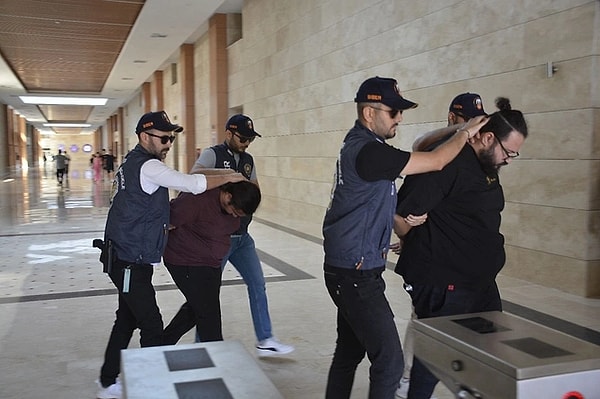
pixel 226 160
pixel 358 223
pixel 137 222
pixel 202 230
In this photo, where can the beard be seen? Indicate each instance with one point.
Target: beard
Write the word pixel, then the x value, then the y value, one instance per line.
pixel 163 154
pixel 487 162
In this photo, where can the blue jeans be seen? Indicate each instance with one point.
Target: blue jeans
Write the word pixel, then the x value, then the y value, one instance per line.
pixel 365 325
pixel 242 255
pixel 435 301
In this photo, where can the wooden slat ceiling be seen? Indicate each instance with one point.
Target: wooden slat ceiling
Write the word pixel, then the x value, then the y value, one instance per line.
pixel 64 46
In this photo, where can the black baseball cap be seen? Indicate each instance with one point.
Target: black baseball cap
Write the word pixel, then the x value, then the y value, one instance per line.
pixel 467 105
pixel 383 90
pixel 241 124
pixel 156 120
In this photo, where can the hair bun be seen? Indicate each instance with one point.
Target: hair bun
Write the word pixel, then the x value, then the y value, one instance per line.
pixel 503 104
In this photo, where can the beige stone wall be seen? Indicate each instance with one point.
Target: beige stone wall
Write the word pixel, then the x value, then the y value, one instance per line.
pixel 205 131
pixel 297 67
pixel 131 114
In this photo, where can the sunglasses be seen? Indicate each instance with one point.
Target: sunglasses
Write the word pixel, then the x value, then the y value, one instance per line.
pixel 466 118
pixel 392 112
pixel 244 139
pixel 163 139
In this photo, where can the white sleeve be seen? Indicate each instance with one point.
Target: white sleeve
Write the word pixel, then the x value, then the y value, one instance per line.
pixel 155 174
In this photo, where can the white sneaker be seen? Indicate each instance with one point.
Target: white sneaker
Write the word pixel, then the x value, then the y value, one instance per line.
pixel 402 391
pixel 114 391
pixel 272 347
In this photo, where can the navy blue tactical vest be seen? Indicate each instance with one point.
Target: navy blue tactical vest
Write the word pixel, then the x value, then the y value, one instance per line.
pixel 226 160
pixel 137 222
pixel 358 223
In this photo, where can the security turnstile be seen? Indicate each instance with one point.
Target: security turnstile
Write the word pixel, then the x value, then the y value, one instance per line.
pixel 496 355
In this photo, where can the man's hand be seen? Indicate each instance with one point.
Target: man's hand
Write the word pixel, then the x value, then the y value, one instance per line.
pixel 413 220
pixel 396 247
pixel 474 124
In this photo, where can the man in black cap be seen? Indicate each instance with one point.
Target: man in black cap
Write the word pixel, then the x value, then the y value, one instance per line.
pixel 357 230
pixel 239 133
pixel 136 233
pixel 462 108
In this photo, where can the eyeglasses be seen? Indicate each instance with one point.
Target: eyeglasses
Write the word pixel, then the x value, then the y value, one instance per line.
pixel 244 139
pixel 509 154
pixel 391 112
pixel 163 139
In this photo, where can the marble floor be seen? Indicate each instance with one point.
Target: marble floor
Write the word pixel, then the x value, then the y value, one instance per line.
pixel 57 307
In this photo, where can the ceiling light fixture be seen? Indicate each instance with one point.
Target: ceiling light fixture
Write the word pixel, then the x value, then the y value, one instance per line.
pixel 67 125
pixel 63 100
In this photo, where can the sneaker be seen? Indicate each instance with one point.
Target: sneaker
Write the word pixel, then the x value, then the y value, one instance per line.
pixel 402 391
pixel 272 347
pixel 114 391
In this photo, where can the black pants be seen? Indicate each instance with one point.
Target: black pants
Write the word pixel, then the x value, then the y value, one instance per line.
pixel 137 309
pixel 201 286
pixel 59 175
pixel 365 325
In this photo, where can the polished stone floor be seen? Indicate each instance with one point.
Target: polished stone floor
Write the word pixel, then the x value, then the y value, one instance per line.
pixel 57 307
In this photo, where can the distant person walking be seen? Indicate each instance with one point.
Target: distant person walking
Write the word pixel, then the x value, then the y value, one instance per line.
pixel 61 161
pixel 67 161
pixel 108 162
pixel 97 166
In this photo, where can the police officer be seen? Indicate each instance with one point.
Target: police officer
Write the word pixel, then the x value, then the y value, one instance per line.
pixel 136 228
pixel 242 254
pixel 357 230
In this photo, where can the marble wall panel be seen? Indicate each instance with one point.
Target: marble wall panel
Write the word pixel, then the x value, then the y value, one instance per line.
pixel 552 230
pixel 561 272
pixel 297 68
pixel 555 183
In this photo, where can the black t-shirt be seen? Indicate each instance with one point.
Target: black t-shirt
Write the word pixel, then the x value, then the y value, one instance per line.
pixel 380 161
pixel 460 243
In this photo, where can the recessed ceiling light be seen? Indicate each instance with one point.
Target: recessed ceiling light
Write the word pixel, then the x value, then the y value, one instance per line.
pixel 67 124
pixel 158 35
pixel 63 100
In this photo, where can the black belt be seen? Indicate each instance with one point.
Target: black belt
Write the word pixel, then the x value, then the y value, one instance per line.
pixel 353 272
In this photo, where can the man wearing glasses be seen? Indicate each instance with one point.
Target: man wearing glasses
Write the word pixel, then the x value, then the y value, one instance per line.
pixel 136 234
pixel 357 229
pixel 462 108
pixel 232 155
pixel 450 262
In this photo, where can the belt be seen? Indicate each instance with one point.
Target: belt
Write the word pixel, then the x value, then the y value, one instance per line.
pixel 353 272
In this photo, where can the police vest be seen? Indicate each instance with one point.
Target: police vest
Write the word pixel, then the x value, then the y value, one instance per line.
pixel 358 223
pixel 137 221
